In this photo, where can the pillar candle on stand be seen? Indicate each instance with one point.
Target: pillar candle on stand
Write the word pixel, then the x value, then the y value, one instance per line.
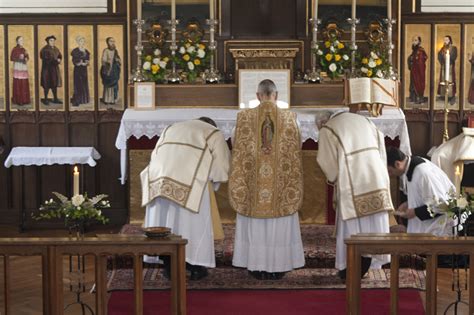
pixel 315 9
pixel 173 10
pixel 75 190
pixel 446 64
pixel 389 10
pixel 139 9
pixel 211 9
pixel 457 180
pixel 353 9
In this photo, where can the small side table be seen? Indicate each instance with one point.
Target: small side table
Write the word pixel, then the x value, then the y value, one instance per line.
pixel 38 156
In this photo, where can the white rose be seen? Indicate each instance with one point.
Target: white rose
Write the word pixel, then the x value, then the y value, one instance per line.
pixel 320 52
pixel 372 64
pixel 331 49
pixel 147 65
pixel 162 64
pixel 157 52
pixel 345 57
pixel 364 69
pixel 201 53
pixel 332 67
pixel 462 202
pixel 78 208
pixel 374 55
pixel 77 200
pixel 182 50
pixel 379 73
pixel 156 61
pixel 191 49
pixel 191 66
pixel 336 42
pixel 99 212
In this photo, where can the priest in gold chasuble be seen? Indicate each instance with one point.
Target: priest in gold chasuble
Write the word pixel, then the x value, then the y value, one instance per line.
pixel 352 156
pixel 266 188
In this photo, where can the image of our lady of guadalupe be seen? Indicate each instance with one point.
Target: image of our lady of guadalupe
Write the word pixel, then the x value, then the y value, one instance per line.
pixel 268 130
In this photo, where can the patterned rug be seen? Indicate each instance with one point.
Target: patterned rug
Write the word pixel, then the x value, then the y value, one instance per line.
pixel 238 278
pixel 318 242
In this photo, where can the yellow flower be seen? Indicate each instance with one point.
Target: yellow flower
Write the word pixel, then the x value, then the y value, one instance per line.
pixel 327 44
pixel 148 58
pixel 369 73
pixel 166 59
pixel 378 62
pixel 187 45
pixel 365 61
pixel 337 57
pixel 186 57
pixel 197 62
pixel 155 68
pixel 340 45
pixel 201 46
pixel 328 57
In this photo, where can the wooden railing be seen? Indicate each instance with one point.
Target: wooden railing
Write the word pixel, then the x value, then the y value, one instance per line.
pixel 52 251
pixel 397 244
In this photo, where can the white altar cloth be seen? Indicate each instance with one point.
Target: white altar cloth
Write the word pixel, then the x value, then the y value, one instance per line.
pixel 52 155
pixel 151 123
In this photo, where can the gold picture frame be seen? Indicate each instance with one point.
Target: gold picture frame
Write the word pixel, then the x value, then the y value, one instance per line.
pixel 250 78
pixel 144 96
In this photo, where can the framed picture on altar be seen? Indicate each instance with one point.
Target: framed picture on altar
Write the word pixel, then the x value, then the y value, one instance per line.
pixel 144 96
pixel 250 78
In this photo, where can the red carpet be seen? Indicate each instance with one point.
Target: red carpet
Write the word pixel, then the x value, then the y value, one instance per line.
pixel 275 302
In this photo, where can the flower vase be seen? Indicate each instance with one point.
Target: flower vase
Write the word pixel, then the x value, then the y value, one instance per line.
pixel 77 229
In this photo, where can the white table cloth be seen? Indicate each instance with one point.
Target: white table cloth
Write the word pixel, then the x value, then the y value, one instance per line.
pixel 26 156
pixel 151 123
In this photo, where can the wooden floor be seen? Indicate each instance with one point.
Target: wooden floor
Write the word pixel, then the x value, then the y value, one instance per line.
pixel 26 293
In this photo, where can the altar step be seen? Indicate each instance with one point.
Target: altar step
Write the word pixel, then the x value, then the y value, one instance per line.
pixel 319 245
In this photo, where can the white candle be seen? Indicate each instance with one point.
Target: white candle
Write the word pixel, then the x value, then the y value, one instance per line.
pixel 446 64
pixel 457 180
pixel 315 9
pixel 173 10
pixel 353 9
pixel 389 10
pixel 211 9
pixel 139 9
pixel 75 182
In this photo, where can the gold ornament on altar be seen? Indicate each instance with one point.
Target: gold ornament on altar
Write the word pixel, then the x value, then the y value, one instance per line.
pixel 193 32
pixel 375 32
pixel 156 35
pixel 332 31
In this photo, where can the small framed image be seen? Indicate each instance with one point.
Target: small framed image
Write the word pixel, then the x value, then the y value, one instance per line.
pixel 144 96
pixel 250 78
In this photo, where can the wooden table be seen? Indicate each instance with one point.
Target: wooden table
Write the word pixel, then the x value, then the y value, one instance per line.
pixel 52 251
pixel 397 244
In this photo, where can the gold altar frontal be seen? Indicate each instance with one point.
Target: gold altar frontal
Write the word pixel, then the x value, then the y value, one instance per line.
pixel 313 211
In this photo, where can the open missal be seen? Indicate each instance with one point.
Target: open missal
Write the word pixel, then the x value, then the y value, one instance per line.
pixel 372 91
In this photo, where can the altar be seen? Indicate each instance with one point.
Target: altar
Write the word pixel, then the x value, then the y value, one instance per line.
pixel 145 125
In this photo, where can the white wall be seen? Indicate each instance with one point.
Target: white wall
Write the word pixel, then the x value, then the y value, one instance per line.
pixel 53 6
pixel 447 6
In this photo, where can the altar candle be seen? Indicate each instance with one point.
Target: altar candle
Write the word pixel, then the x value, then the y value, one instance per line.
pixel 211 9
pixel 76 182
pixel 446 64
pixel 389 10
pixel 353 9
pixel 315 9
pixel 173 10
pixel 139 9
pixel 457 180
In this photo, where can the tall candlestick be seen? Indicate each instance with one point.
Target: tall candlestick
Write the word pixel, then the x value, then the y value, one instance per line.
pixel 173 10
pixel 76 182
pixel 389 9
pixel 315 9
pixel 139 9
pixel 446 68
pixel 353 9
pixel 457 180
pixel 211 9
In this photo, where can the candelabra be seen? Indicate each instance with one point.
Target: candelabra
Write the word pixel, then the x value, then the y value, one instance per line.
pixel 314 76
pixel 213 75
pixel 447 85
pixel 353 22
pixel 138 75
pixel 173 77
pixel 390 22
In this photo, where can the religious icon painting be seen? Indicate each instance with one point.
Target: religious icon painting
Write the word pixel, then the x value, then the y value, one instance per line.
pixel 51 67
pixel 468 96
pixel 447 47
pixel 110 46
pixel 81 67
pixel 2 70
pixel 21 67
pixel 416 66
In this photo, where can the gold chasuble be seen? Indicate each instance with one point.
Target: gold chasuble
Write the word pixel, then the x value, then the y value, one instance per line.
pixel 266 177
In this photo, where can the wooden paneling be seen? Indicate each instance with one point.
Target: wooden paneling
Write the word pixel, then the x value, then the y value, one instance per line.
pixel 419 129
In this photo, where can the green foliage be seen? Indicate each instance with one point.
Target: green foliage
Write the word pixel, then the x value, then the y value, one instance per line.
pixel 333 57
pixel 375 64
pixel 192 58
pixel 155 65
